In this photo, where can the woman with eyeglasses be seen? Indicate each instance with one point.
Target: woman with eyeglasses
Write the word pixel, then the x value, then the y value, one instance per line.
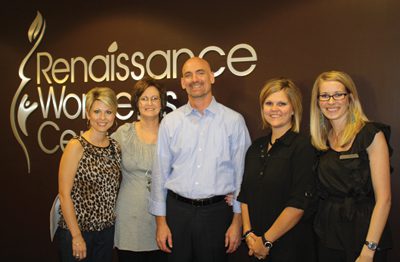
pixel 135 227
pixel 353 174
pixel 278 182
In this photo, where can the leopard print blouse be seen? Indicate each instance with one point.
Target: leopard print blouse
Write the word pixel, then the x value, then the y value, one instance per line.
pixel 96 184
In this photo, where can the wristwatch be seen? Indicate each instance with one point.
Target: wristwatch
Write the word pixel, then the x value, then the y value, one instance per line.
pixel 371 245
pixel 268 244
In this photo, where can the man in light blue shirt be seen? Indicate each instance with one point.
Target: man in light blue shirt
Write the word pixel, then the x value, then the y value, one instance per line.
pixel 200 160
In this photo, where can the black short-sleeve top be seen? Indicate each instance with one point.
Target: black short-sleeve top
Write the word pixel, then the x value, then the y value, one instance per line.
pixel 275 179
pixel 346 194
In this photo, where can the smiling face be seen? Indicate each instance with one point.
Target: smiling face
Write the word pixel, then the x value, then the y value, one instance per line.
pixel 334 110
pixel 278 111
pixel 197 78
pixel 149 103
pixel 100 116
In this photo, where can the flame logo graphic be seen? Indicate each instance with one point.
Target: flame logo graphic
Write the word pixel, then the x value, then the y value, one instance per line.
pixel 25 108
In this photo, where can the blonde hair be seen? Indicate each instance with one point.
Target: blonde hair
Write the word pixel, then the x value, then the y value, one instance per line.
pixel 320 125
pixel 102 94
pixel 293 93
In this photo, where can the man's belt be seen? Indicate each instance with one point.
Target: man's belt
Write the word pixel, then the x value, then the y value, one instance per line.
pixel 196 202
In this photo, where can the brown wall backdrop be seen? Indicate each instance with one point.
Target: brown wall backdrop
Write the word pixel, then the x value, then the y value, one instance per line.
pixel 297 39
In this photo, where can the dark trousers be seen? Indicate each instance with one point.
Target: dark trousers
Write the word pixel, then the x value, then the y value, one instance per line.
pixel 99 245
pixel 326 254
pixel 198 233
pixel 143 256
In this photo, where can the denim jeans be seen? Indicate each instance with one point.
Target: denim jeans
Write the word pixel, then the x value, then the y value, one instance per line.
pixel 99 245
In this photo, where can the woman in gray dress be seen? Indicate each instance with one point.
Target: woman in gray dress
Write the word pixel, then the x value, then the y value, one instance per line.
pixel 135 227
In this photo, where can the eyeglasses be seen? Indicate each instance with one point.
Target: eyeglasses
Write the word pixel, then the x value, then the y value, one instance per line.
pixel 336 96
pixel 153 99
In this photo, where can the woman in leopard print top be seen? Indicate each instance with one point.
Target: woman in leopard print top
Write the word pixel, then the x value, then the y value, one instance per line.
pixel 88 184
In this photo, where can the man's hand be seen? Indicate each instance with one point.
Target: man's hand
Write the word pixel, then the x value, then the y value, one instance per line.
pixel 163 234
pixel 233 234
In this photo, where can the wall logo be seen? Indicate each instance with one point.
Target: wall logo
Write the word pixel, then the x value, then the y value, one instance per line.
pixel 25 108
pixel 55 74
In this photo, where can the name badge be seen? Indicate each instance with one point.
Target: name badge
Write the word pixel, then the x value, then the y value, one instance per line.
pixel 349 156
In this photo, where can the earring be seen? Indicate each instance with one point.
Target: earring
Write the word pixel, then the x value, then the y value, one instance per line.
pixel 352 118
pixel 321 118
pixel 115 124
pixel 88 123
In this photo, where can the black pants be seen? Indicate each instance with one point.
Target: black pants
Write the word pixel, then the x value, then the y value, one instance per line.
pixel 198 233
pixel 145 256
pixel 326 254
pixel 99 245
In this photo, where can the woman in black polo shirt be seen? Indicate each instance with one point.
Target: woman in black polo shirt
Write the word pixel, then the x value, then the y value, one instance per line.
pixel 279 180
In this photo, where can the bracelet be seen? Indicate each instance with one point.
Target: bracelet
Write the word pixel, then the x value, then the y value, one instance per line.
pixel 247 233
